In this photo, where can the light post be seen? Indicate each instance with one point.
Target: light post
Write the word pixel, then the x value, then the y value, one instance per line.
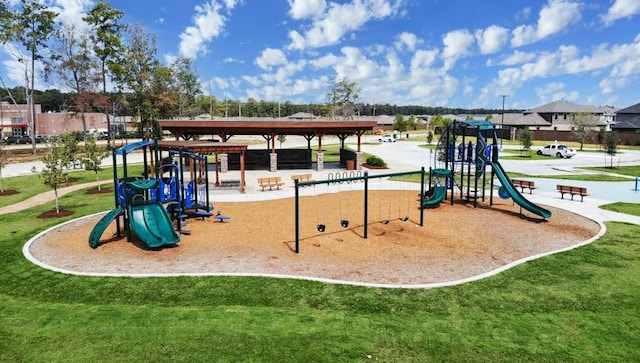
pixel 502 125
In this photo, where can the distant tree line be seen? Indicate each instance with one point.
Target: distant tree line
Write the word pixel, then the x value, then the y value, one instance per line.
pixel 52 100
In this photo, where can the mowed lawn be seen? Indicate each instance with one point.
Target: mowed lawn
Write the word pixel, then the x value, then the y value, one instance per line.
pixel 577 306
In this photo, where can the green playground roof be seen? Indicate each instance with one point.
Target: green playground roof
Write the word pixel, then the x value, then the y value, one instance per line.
pixel 480 124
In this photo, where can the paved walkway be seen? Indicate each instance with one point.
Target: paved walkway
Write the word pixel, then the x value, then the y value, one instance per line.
pixel 43 198
pixel 406 156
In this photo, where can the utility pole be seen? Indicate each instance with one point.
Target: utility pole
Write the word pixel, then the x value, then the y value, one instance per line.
pixel 502 126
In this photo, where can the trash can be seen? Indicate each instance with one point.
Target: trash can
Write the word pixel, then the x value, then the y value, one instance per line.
pixel 351 165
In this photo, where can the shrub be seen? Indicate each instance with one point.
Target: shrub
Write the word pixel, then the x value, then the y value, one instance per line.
pixel 375 161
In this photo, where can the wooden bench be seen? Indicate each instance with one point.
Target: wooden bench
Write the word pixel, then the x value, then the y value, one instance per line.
pixel 524 184
pixel 572 190
pixel 301 177
pixel 272 181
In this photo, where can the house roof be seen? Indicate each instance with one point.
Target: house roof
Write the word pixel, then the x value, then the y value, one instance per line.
pixel 520 120
pixel 631 109
pixel 564 106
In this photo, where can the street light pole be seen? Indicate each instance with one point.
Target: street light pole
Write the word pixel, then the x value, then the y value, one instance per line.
pixel 502 126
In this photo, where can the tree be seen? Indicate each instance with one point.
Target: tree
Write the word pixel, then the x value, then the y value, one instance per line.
pixel 68 142
pixel 525 139
pixel 30 25
pixel 185 80
pixel 134 71
pixel 429 137
pixel 582 125
pixel 281 139
pixel 71 62
pixel 400 124
pixel 54 173
pixel 107 43
pixel 93 156
pixel 4 160
pixel 342 96
pixel 610 145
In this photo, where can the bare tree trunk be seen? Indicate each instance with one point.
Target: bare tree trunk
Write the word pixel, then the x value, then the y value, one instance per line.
pixel 55 192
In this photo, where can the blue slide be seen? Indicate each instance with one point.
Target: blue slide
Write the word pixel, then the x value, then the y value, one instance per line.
pixel 152 224
pixel 515 194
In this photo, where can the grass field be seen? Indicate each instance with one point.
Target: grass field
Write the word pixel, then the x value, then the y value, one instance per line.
pixel 577 306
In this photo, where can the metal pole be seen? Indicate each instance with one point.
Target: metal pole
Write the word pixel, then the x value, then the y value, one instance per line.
pixel 502 126
pixel 297 218
pixel 366 204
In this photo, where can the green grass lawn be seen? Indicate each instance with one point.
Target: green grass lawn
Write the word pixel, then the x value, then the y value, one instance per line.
pixel 576 306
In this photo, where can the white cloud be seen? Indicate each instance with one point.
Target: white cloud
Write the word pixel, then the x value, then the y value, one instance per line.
pixel 407 40
pixel 302 9
pixel 555 91
pixel 619 60
pixel 491 39
pixel 517 57
pixel 271 57
pixel 71 12
pixel 208 24
pixel 337 20
pixel 554 17
pixel 457 44
pixel 621 9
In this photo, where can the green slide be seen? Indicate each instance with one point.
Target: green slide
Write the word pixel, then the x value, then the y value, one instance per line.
pixel 152 224
pixel 98 229
pixel 438 195
pixel 515 194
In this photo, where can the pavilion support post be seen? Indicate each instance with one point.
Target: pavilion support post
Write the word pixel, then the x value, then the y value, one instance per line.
pixel 242 175
pixel 359 160
pixel 320 163
pixel 224 163
pixel 273 162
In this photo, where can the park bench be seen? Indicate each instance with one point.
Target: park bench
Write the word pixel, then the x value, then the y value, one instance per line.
pixel 572 190
pixel 524 184
pixel 301 177
pixel 272 181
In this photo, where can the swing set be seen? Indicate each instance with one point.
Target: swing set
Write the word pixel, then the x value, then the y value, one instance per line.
pixel 344 222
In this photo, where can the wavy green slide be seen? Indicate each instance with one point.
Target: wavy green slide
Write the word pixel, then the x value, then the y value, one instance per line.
pixel 515 194
pixel 98 229
pixel 152 224
pixel 438 195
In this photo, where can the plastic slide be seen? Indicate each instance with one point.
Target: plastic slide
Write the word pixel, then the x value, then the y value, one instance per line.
pixel 438 195
pixel 152 224
pixel 98 229
pixel 515 194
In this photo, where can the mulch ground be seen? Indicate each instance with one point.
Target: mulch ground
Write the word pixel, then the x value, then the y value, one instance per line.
pixel 457 241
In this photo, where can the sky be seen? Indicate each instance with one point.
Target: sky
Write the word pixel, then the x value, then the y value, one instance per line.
pixel 449 53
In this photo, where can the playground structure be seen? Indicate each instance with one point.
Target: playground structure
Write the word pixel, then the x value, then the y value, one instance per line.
pixel 465 171
pixel 351 178
pixel 150 204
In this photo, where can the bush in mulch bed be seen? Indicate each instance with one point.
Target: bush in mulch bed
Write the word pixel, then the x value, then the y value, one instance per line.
pixel 9 192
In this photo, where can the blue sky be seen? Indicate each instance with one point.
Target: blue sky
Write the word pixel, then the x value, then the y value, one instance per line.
pixel 452 53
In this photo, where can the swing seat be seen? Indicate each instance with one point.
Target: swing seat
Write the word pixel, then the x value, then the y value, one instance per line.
pixel 321 227
pixel 344 223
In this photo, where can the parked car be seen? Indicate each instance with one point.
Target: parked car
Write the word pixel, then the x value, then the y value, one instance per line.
pixel 18 139
pixel 386 138
pixel 42 138
pixel 557 150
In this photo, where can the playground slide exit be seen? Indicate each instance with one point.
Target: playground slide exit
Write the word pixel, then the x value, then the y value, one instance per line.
pixel 153 226
pixel 101 226
pixel 515 194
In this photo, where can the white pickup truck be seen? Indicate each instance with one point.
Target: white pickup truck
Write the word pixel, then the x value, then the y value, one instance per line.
pixel 557 150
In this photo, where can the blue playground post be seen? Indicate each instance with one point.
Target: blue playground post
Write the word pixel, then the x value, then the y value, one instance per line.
pixel 635 189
